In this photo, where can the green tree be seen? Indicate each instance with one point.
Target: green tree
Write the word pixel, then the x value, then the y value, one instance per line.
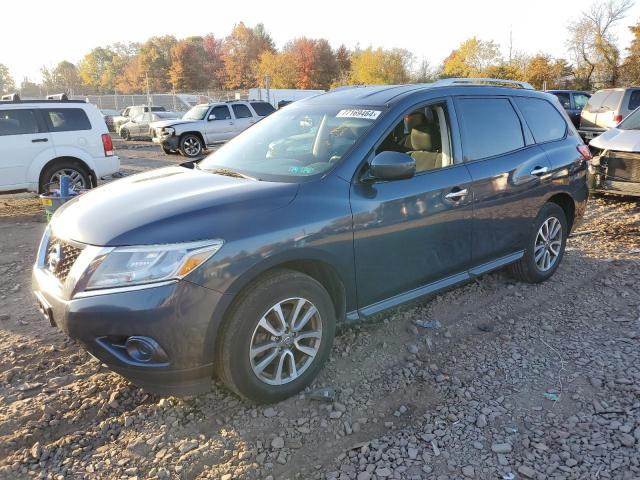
pixel 343 59
pixel 471 59
pixel 6 81
pixel 380 66
pixel 243 48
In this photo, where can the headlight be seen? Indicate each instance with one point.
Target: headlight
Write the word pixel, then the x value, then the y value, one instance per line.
pixel 125 266
pixel 168 131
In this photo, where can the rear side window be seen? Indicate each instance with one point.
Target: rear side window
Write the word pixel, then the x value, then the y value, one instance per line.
pixel 241 111
pixel 18 122
pixel 545 122
pixel 580 100
pixel 634 100
pixel 66 119
pixel 263 108
pixel 221 112
pixel 157 109
pixel 612 101
pixel 491 127
pixel 564 98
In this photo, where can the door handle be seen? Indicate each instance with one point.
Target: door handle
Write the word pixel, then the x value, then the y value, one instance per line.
pixel 539 171
pixel 38 140
pixel 456 195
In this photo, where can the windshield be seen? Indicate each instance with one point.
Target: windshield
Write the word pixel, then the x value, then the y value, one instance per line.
pixel 196 113
pixel 294 142
pixel 632 122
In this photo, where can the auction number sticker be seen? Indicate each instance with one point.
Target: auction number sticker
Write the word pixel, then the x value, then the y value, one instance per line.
pixel 368 114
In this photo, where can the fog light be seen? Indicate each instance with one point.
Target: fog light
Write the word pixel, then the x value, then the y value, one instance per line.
pixel 144 349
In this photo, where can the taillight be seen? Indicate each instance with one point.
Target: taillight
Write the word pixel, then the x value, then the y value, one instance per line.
pixel 107 143
pixel 585 152
pixel 617 119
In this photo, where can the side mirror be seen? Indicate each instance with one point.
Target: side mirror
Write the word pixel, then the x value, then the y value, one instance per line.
pixel 391 166
pixel 212 117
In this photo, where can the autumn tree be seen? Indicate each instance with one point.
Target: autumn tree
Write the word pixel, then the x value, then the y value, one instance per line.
pixel 187 70
pixel 153 64
pixel 63 78
pixel 424 73
pixel 101 68
pixel 471 59
pixel 315 63
pixel 213 61
pixel 542 69
pixel 630 69
pixel 6 81
pixel 280 67
pixel 242 50
pixel 380 66
pixel 592 42
pixel 343 60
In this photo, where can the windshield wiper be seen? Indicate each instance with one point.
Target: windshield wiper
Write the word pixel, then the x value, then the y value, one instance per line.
pixel 230 173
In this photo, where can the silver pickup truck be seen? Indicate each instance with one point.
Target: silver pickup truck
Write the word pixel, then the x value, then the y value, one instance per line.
pixel 206 125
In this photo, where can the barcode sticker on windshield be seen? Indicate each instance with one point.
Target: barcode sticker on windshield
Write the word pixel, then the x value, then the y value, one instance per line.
pixel 369 114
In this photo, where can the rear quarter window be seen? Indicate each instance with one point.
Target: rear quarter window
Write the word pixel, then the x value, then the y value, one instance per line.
pixel 66 119
pixel 491 127
pixel 596 100
pixel 263 108
pixel 544 120
pixel 612 101
pixel 634 100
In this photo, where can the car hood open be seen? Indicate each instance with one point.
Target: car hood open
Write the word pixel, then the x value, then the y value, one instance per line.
pixel 168 205
pixel 619 140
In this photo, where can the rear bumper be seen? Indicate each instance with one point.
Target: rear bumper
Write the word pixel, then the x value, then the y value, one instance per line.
pixel 105 166
pixel 179 316
pixel 615 172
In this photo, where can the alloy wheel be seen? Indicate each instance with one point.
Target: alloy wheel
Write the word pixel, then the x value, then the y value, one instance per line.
pixel 285 341
pixel 548 244
pixel 77 181
pixel 192 146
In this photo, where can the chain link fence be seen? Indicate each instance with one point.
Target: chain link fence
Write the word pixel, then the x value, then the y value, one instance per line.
pixel 176 102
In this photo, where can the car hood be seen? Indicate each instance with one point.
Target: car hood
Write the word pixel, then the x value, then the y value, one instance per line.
pixel 168 205
pixel 170 123
pixel 616 139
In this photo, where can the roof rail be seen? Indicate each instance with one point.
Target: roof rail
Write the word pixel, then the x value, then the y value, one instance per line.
pixel 497 82
pixel 62 97
pixel 11 97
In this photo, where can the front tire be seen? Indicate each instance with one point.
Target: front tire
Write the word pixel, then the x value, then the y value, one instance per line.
pixel 545 246
pixel 191 146
pixel 276 337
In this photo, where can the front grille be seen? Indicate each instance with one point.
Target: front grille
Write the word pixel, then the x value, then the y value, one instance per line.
pixel 60 258
pixel 623 166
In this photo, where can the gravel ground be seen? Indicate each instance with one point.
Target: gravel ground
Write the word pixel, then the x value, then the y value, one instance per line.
pixel 512 381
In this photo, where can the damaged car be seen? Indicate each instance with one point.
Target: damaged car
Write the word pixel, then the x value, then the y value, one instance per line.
pixel 615 167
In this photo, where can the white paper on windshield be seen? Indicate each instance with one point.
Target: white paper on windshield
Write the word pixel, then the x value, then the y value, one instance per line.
pixel 368 114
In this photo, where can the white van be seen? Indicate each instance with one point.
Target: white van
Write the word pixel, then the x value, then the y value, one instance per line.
pixel 43 139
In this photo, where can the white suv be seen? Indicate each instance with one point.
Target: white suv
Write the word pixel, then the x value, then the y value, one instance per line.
pixel 207 124
pixel 43 139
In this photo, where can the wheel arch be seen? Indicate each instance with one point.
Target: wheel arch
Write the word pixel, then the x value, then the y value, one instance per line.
pixel 81 162
pixel 566 202
pixel 196 133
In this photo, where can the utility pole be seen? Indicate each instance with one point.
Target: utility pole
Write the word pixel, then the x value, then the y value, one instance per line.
pixel 267 85
pixel 148 95
pixel 510 43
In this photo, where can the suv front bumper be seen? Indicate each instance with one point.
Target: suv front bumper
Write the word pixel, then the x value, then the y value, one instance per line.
pixel 178 315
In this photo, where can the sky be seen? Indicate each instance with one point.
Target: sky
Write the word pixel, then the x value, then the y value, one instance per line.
pixel 57 30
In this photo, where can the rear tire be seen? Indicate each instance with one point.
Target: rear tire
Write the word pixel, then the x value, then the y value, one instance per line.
pixel 191 146
pixel 252 334
pixel 545 246
pixel 124 133
pixel 79 175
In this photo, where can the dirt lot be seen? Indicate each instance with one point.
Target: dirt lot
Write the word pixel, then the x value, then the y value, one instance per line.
pixel 515 381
